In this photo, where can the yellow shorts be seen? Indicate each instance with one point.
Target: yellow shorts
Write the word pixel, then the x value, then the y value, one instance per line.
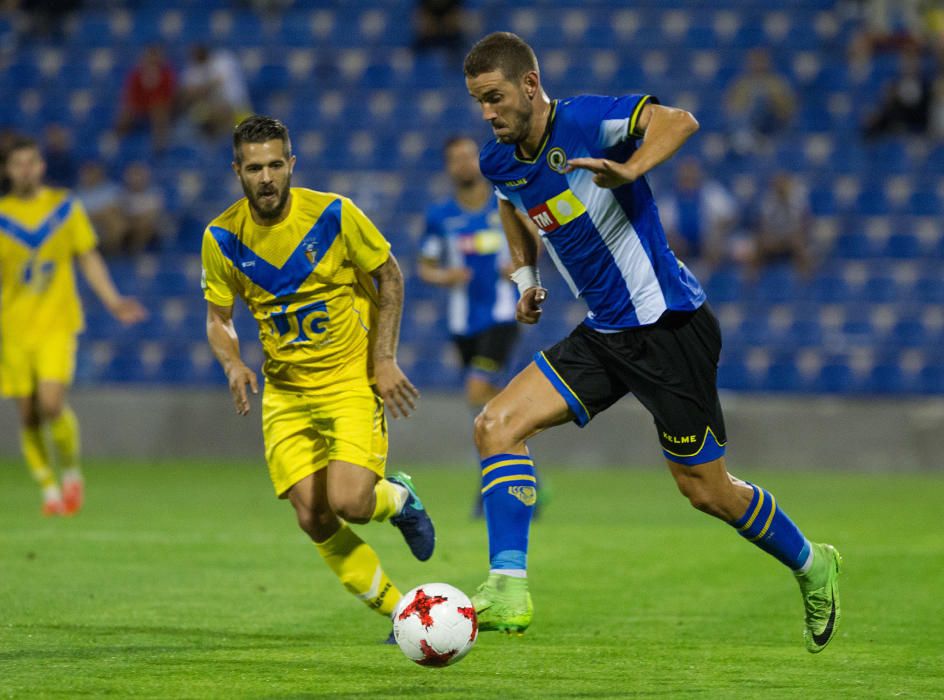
pixel 23 367
pixel 303 432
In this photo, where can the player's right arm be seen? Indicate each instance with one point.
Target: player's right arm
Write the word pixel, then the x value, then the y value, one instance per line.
pixel 221 333
pixel 523 247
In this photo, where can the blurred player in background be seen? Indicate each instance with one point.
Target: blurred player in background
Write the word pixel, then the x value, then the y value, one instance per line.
pixel 577 167
pixel 327 293
pixel 465 250
pixel 42 229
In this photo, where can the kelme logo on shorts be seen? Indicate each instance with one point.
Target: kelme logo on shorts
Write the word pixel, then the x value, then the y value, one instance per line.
pixel 557 159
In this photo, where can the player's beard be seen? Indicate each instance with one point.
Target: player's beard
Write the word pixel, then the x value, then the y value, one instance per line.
pixel 518 124
pixel 255 199
pixel 24 189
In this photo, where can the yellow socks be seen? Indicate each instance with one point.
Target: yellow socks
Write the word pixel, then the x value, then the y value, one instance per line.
pixel 357 565
pixel 37 457
pixel 65 438
pixel 390 500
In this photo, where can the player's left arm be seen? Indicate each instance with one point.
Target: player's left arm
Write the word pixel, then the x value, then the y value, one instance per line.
pixel 126 309
pixel 664 129
pixel 395 389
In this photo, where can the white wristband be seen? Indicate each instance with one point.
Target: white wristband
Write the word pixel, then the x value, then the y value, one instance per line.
pixel 526 277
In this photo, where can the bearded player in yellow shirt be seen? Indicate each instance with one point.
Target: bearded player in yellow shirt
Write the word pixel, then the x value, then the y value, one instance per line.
pixel 327 295
pixel 42 229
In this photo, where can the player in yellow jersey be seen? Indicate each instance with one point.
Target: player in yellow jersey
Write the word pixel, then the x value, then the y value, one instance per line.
pixel 327 294
pixel 42 230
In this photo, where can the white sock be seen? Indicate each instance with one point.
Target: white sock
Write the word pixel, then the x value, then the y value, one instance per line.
pixel 807 565
pixel 402 495
pixel 72 474
pixel 514 573
pixel 52 493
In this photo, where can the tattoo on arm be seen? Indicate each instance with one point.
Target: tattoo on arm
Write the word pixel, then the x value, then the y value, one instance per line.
pixel 390 292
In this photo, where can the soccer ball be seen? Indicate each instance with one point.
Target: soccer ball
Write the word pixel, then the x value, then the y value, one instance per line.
pixel 435 624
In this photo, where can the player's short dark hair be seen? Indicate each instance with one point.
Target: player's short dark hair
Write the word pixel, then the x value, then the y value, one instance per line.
pixel 259 129
pixel 21 142
pixel 456 139
pixel 502 51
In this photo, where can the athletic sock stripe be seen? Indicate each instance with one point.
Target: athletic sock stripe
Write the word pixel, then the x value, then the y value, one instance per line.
pixel 518 462
pixel 525 478
pixel 738 522
pixel 773 511
pixel 506 456
pixel 510 470
pixel 760 504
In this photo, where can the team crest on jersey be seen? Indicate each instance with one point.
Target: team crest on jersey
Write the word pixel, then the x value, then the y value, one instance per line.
pixel 557 159
pixel 311 253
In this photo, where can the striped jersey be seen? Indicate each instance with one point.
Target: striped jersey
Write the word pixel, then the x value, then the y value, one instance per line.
pixel 458 237
pixel 608 244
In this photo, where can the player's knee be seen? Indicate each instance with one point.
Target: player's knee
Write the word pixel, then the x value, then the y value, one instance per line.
pixel 30 417
pixel 352 507
pixel 318 526
pixel 701 496
pixel 491 426
pixel 50 407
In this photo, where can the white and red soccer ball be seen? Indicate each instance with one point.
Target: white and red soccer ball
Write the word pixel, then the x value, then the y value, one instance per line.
pixel 435 624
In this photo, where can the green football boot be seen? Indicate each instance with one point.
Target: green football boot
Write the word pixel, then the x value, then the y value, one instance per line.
pixel 503 604
pixel 820 590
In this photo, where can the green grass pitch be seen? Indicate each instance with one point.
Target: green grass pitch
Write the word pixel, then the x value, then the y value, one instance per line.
pixel 189 580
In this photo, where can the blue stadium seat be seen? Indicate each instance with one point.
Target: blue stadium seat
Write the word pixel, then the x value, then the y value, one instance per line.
pixel 783 375
pixel 836 377
pixel 733 373
pixel 725 285
pixel 931 380
pixel 929 288
pixel 903 245
pixel 888 378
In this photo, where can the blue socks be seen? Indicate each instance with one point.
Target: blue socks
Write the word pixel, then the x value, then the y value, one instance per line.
pixel 509 492
pixel 767 526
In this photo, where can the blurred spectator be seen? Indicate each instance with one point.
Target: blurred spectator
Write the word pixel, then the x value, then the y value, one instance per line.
pixel 698 216
pixel 102 200
pixel 148 97
pixel 7 138
pixel 936 110
pixel 214 93
pixel 760 103
pixel 905 104
pixel 142 205
pixel 60 164
pixel 47 18
pixel 438 24
pixel 890 25
pixel 783 225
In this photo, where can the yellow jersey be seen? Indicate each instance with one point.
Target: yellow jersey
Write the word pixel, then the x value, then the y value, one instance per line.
pixel 306 282
pixel 39 237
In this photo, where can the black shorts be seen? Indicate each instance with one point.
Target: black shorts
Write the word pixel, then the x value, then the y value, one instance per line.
pixel 671 366
pixel 488 351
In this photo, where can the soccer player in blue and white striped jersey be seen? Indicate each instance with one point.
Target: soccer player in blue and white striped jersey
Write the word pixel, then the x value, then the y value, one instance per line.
pixel 577 168
pixel 464 250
